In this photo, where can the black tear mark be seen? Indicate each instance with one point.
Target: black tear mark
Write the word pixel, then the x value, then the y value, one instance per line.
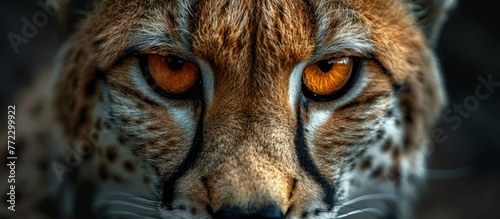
pixel 187 163
pixel 307 164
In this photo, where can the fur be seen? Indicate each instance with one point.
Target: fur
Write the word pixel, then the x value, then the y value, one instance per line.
pixel 252 139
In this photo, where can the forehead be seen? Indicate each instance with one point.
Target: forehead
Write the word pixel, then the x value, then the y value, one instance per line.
pixel 246 37
pixel 289 24
pixel 288 31
pixel 291 30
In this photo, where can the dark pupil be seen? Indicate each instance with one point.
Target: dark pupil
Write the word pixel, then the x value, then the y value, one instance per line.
pixel 325 65
pixel 175 63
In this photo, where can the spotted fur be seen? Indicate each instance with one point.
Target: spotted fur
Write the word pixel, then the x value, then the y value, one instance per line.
pixel 112 147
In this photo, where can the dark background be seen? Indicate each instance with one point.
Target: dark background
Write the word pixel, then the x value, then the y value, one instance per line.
pixel 464 176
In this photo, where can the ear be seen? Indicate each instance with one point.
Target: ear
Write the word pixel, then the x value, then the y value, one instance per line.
pixel 431 14
pixel 70 12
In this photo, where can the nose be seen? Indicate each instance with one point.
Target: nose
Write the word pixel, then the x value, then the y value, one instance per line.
pixel 269 212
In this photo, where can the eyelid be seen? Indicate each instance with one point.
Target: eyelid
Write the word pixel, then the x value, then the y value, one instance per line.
pixel 340 54
pixel 158 50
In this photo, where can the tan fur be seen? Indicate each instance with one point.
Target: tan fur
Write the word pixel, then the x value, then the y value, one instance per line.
pixel 248 157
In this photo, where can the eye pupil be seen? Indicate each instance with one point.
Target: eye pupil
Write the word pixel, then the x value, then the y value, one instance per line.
pixel 325 65
pixel 174 63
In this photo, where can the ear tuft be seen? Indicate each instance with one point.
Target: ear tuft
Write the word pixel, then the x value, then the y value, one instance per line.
pixel 431 14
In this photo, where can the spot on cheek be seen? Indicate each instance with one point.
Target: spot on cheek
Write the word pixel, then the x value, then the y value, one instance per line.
pixel 387 145
pixel 395 153
pixel 129 166
pixel 122 139
pixel 395 174
pixel 87 150
pixel 99 124
pixel 103 171
pixel 146 180
pixel 377 172
pixel 367 162
pixel 111 153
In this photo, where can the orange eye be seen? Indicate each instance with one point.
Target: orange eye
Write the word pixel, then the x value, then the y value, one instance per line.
pixel 328 77
pixel 172 75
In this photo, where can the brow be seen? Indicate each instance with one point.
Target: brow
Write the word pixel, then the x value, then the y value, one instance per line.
pixel 157 34
pixel 341 31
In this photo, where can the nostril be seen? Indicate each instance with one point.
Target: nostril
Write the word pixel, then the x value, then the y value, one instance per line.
pixel 269 212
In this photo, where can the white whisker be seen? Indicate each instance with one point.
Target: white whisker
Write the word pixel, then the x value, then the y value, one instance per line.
pixel 381 196
pixel 371 211
pixel 124 203
pixel 123 213
pixel 142 199
pixel 132 196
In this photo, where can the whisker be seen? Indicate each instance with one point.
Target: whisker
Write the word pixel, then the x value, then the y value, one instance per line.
pixel 372 211
pixel 381 196
pixel 125 213
pixel 132 196
pixel 122 200
pixel 124 203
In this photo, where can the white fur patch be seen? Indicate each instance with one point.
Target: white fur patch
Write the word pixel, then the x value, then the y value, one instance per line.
pixel 183 116
pixel 319 116
pixel 208 80
pixel 294 85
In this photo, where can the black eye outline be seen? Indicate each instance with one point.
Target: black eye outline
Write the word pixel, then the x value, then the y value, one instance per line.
pixel 356 69
pixel 194 93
